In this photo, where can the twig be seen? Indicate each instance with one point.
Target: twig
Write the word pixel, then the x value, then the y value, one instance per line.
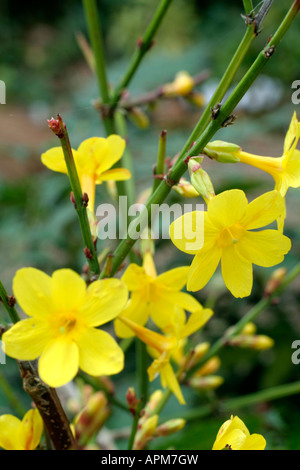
pixel 9 304
pixel 49 406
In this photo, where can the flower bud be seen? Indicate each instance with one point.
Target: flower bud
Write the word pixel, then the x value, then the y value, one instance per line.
pixel 275 281
pixel 209 382
pixel 145 433
pixel 222 151
pixel 183 85
pixel 256 342
pixel 185 189
pixel 151 405
pixel 170 427
pixel 92 418
pixel 198 353
pixel 132 400
pixel 139 118
pixel 200 179
pixel 249 329
pixel 210 367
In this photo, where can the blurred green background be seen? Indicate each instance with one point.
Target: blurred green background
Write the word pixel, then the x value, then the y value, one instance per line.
pixel 45 74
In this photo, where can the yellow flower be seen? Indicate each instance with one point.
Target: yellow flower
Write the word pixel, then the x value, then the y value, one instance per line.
pixel 234 435
pixel 21 435
pixel 230 235
pixel 183 85
pixel 154 296
pixel 94 159
pixel 62 329
pixel 162 347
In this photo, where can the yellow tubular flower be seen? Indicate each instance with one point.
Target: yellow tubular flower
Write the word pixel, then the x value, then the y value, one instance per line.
pixel 61 328
pixel 94 159
pixel 285 170
pixel 162 347
pixel 21 435
pixel 230 235
pixel 154 296
pixel 234 435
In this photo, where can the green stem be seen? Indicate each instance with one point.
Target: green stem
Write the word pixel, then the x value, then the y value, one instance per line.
pixel 80 206
pixel 8 304
pixel 143 46
pixel 142 361
pixel 11 397
pixel 161 158
pixel 248 6
pixel 134 428
pixel 180 166
pixel 95 32
pixel 232 405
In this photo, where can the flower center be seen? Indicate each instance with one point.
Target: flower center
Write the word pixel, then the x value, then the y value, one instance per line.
pixel 230 236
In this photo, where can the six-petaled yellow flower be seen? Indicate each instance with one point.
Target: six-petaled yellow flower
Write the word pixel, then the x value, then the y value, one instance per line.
pixel 230 235
pixel 21 435
pixel 154 296
pixel 234 435
pixel 62 326
pixel 94 160
pixel 162 347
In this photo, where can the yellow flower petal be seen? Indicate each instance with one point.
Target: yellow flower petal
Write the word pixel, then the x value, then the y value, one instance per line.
pixel 263 210
pixel 136 310
pixel 99 354
pixel 54 160
pixel 9 433
pixel 31 430
pixel 59 362
pixel 174 279
pixel 203 267
pixel 293 169
pixel 26 340
pixel 265 248
pixel 105 300
pixel 254 442
pixel 90 153
pixel 182 299
pixel 235 439
pixel 135 277
pixel 291 133
pixel 118 174
pixel 187 232
pixel 69 290
pixel 196 321
pixel 227 208
pixel 116 145
pixel 32 289
pixel 169 379
pixel 237 272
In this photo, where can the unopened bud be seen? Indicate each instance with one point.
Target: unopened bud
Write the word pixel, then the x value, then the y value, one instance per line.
pixel 200 179
pixel 92 418
pixel 183 85
pixel 139 118
pixel 223 152
pixel 256 342
pixel 275 281
pixel 185 189
pixel 210 367
pixel 132 400
pixel 57 126
pixel 151 405
pixel 145 433
pixel 198 353
pixel 197 99
pixel 249 329
pixel 209 382
pixel 170 427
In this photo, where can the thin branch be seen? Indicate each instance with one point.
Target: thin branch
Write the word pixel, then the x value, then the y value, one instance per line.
pixel 49 406
pixel 9 304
